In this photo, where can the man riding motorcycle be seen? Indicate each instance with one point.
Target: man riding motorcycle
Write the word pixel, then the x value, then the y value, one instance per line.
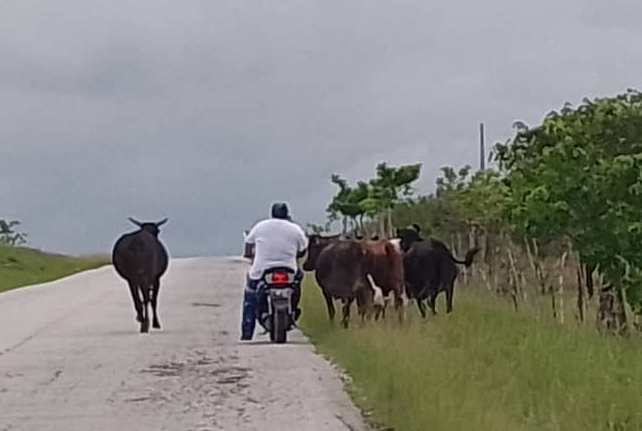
pixel 277 242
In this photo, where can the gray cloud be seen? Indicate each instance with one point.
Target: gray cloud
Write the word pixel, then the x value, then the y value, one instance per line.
pixel 206 111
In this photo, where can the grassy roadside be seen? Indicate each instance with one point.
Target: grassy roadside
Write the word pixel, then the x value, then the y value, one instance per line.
pixel 483 368
pixel 23 266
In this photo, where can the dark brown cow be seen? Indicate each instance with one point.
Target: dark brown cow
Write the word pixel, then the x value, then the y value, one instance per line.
pixel 342 268
pixel 316 244
pixel 141 259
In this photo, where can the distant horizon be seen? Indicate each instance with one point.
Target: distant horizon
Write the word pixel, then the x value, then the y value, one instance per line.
pixel 108 254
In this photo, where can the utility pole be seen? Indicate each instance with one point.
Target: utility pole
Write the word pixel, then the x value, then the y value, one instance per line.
pixel 482 149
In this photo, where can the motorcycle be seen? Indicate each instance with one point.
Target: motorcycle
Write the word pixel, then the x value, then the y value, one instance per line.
pixel 276 292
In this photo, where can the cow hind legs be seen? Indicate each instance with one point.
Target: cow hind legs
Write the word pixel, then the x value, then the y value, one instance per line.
pixel 144 324
pixel 432 301
pixel 156 288
pixel 449 300
pixel 330 305
pixel 421 307
pixel 347 303
pixel 363 308
pixel 400 306
pixel 449 296
pixel 380 312
pixel 138 307
pixel 380 309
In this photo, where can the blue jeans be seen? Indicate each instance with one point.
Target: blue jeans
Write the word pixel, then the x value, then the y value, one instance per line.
pixel 251 304
pixel 250 301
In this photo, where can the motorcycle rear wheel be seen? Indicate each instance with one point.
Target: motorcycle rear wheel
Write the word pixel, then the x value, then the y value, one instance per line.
pixel 279 332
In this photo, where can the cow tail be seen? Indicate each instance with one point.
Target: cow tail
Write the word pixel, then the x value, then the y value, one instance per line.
pixel 378 293
pixel 468 260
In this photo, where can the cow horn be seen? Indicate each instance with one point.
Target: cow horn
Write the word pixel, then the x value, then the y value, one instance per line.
pixel 136 222
pixel 162 222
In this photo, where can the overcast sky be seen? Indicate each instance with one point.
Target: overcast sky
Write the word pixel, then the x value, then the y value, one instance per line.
pixel 207 111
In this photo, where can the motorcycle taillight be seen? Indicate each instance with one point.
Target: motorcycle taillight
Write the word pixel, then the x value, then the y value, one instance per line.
pixel 280 278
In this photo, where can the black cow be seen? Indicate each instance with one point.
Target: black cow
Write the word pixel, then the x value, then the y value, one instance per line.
pixel 429 268
pixel 141 259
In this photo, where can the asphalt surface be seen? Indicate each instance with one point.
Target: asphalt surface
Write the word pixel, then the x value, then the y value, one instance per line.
pixel 71 358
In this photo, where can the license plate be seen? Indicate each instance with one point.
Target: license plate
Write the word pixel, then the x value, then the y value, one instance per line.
pixel 281 293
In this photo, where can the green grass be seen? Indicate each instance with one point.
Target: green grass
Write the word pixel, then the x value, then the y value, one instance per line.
pixel 483 368
pixel 23 266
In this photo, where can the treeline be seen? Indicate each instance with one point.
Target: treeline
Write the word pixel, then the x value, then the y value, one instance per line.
pixel 366 208
pixel 560 216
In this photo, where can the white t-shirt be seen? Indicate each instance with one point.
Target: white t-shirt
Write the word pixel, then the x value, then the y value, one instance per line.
pixel 276 243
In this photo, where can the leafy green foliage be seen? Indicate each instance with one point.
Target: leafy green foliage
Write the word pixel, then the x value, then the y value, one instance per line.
pixel 371 198
pixel 346 204
pixel 462 199
pixel 483 201
pixel 8 234
pixel 579 176
pixel 391 184
pixel 574 180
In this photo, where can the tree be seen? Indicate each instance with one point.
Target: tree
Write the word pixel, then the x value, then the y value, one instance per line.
pixel 450 186
pixel 8 234
pixel 337 207
pixel 357 196
pixel 579 176
pixel 483 200
pixel 389 188
pixel 373 199
pixel 346 204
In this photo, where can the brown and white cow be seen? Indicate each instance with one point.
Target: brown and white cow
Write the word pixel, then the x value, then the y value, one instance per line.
pixel 352 270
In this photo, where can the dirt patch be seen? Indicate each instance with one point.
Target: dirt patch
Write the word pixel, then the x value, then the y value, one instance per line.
pixel 201 382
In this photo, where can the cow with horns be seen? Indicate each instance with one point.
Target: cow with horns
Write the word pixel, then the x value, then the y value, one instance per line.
pixel 140 258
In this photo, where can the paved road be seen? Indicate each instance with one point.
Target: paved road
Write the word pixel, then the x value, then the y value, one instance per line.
pixel 71 359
